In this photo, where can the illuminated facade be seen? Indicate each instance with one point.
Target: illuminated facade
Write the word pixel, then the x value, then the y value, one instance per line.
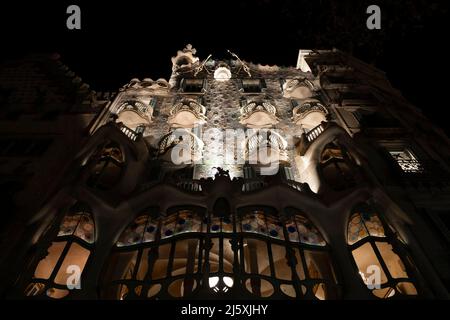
pixel 361 186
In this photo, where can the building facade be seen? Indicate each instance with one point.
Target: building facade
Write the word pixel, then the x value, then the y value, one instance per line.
pixel 235 180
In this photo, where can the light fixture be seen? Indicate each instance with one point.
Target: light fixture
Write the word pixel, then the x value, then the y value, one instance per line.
pixel 228 281
pixel 222 74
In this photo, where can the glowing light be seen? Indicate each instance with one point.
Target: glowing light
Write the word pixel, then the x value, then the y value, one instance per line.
pixel 228 281
pixel 213 281
pixel 222 74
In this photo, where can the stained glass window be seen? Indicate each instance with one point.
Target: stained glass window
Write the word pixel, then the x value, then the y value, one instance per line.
pixel 221 224
pixel 365 224
pixel 76 233
pixel 80 225
pixel 142 230
pixel 261 223
pixel 362 225
pixel 300 229
pixel 181 222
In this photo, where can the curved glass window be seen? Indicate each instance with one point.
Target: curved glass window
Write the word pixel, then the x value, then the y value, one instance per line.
pixel 157 256
pixel 377 257
pixel 285 259
pixel 62 264
pixel 190 254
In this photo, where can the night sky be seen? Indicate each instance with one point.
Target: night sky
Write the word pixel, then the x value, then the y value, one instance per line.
pixel 121 40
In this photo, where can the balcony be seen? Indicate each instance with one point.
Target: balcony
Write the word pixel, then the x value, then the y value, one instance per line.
pixel 266 143
pixel 308 138
pixel 258 115
pixel 134 113
pixel 189 143
pixel 298 89
pixel 309 114
pixel 187 114
pixel 131 134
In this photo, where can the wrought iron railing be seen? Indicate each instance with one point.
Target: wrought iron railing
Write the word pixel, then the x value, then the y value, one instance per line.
pixel 190 185
pixel 131 134
pixel 315 132
pixel 253 184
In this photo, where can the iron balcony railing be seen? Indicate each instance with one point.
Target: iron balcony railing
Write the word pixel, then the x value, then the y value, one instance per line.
pixel 131 134
pixel 315 132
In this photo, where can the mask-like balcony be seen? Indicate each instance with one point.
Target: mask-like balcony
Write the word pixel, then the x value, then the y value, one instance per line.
pixel 298 89
pixel 258 115
pixel 133 114
pixel 189 147
pixel 187 114
pixel 265 147
pixel 309 114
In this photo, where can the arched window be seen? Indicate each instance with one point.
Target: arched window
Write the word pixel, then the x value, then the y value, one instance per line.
pixel 61 266
pixel 157 256
pixel 189 254
pixel 108 163
pixel 376 252
pixel 285 259
pixel 336 167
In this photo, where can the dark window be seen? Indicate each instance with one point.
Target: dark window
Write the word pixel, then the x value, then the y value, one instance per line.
pixel 374 247
pixel 377 120
pixel 253 85
pixel 193 85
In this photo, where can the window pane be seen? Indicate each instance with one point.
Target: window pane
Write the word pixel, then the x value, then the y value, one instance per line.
pixel 150 230
pixel 407 288
pixel 274 228
pixel 185 259
pixel 364 257
pixel 301 229
pixel 228 256
pixel 356 230
pixel 259 287
pixel 254 222
pixel 77 256
pixel 214 256
pixel 188 221
pixel 392 260
pixel 299 266
pixel 215 224
pixel 85 229
pixel 68 225
pixel 256 257
pixel 373 224
pixel 121 265
pixel 133 234
pixel 282 269
pixel 57 293
pixel 227 224
pixel 143 265
pixel 319 265
pixel 160 267
pixel 45 266
pixel 168 226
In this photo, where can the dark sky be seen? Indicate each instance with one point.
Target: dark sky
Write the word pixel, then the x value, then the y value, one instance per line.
pixel 121 40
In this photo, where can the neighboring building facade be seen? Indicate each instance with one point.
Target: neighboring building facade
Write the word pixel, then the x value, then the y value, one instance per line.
pixel 241 181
